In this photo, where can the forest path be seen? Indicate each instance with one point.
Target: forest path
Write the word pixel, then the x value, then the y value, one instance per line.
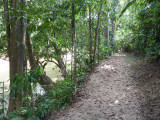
pixel 110 94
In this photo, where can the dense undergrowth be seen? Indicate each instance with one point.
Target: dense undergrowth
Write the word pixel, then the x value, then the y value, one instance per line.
pixel 58 98
pixel 141 33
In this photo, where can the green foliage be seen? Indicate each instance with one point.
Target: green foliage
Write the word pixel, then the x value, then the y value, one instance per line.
pixel 104 51
pixel 23 83
pixel 153 49
pixel 62 94
pixel 126 44
pixel 59 97
pixel 126 7
pixel 143 28
pixel 83 61
pixel 49 23
pixel 83 67
pixel 3 42
pixel 148 29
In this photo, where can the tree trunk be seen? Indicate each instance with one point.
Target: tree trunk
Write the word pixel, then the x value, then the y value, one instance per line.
pixel 75 43
pixel 60 61
pixel 45 81
pixel 113 29
pixel 32 59
pixel 113 23
pixel 96 33
pixel 17 50
pixel 99 38
pixel 106 32
pixel 6 17
pixel 108 41
pixel 90 35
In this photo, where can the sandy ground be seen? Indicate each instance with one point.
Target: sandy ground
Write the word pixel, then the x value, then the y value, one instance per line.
pixel 110 94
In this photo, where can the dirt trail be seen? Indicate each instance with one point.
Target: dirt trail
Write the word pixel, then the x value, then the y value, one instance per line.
pixel 111 94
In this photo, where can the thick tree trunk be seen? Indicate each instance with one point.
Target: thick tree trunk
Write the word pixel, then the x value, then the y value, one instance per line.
pixel 45 81
pixel 96 33
pixel 17 51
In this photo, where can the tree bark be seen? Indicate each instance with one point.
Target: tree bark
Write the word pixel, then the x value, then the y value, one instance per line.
pixel 106 32
pixel 99 38
pixel 105 35
pixel 113 30
pixel 96 33
pixel 17 50
pixel 31 57
pixel 60 61
pixel 108 41
pixel 75 44
pixel 90 34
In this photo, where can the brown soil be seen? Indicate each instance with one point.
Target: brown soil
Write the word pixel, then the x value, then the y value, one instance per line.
pixel 122 87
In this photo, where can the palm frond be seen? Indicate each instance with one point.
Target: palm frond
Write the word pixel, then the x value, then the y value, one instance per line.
pixel 126 7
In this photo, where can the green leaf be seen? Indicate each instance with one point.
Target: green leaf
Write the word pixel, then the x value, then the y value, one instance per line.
pixel 126 7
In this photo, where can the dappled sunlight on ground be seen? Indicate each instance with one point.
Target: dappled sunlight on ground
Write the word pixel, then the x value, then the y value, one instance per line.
pixel 110 94
pixel 107 67
pixel 117 100
pixel 121 55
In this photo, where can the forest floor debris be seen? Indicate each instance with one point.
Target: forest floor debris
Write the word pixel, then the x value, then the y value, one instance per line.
pixel 122 87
